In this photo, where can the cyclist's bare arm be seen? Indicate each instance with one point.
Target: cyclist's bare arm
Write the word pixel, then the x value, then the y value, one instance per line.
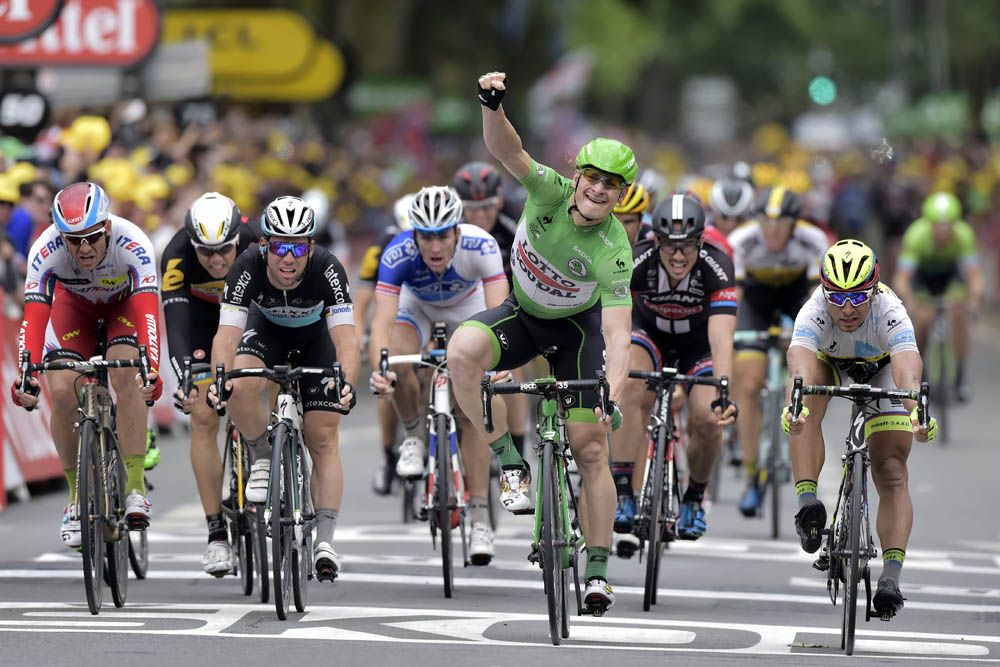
pixel 973 274
pixel 224 345
pixel 721 329
pixel 345 341
pixel 502 140
pixel 386 306
pixel 907 367
pixel 902 284
pixel 616 325
pixel 495 292
pixel 362 297
pixel 802 362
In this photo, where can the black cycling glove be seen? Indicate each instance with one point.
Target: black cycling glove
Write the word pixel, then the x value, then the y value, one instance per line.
pixel 491 98
pixel 354 399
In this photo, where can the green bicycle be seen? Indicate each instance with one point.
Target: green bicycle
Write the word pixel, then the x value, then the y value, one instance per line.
pixel 556 538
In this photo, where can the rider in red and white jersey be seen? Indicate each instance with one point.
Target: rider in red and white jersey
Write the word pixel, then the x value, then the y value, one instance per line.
pixel 87 266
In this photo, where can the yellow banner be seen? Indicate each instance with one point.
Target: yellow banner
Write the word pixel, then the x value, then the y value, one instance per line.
pixel 321 79
pixel 246 43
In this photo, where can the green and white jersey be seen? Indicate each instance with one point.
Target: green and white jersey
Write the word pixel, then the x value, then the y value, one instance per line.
pixel 560 268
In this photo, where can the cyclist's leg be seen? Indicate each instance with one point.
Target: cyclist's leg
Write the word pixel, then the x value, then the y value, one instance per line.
pixel 807 451
pixel 517 412
pixel 958 315
pixel 205 460
pixel 260 347
pixel 749 369
pixel 921 310
pixel 628 442
pixel 410 332
pixel 132 413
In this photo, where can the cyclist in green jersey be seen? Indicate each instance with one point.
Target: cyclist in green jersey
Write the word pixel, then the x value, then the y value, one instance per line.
pixel 571 264
pixel 939 258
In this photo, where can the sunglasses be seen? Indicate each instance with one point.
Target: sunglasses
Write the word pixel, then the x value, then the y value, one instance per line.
pixel 429 236
pixel 856 298
pixel 207 251
pixel 687 247
pixel 282 248
pixel 595 176
pixel 91 239
pixel 480 203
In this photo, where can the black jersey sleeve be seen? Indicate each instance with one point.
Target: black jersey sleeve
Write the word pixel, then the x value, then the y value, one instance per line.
pixel 335 292
pixel 175 293
pixel 241 286
pixel 720 284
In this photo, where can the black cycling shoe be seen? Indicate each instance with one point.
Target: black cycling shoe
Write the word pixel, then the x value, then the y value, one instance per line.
pixel 888 601
pixel 809 522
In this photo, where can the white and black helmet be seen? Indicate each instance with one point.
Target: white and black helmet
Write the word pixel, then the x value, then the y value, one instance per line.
pixel 288 216
pixel 731 197
pixel 213 220
pixel 435 209
pixel 401 211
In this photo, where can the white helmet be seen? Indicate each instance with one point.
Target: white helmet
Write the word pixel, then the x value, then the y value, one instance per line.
pixel 401 209
pixel 435 209
pixel 288 216
pixel 213 220
pixel 731 197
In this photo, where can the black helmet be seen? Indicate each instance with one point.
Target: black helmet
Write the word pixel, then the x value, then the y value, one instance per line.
pixel 678 217
pixel 779 202
pixel 477 181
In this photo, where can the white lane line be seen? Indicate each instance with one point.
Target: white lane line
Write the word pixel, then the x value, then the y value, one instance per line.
pixel 925 649
pixel 75 624
pixel 913 589
pixel 433 580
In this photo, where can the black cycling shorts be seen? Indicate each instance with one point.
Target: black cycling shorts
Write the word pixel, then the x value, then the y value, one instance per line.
pixel 939 281
pixel 271 343
pixel 518 337
pixel 761 306
pixel 690 354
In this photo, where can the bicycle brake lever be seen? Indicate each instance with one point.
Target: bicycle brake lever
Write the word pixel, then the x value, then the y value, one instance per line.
pixel 144 370
pixel 220 387
pixel 486 397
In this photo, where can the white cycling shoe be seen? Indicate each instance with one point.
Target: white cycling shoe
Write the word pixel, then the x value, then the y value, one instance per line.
pixel 515 489
pixel 326 561
pixel 69 527
pixel 218 558
pixel 138 509
pixel 481 550
pixel 598 597
pixel 410 464
pixel 260 476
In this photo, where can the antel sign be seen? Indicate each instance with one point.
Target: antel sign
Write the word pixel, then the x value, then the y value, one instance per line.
pixel 20 19
pixel 91 32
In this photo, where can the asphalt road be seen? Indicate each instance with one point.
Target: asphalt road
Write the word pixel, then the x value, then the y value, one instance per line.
pixel 733 596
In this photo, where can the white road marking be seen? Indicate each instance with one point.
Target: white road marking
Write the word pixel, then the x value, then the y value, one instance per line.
pixel 912 589
pixel 75 624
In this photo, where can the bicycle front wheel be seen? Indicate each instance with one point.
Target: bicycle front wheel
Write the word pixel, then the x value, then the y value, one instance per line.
pixel 281 519
pixel 303 549
pixel 259 538
pixel 775 462
pixel 941 388
pixel 855 473
pixel 90 506
pixel 138 553
pixel 654 519
pixel 552 543
pixel 443 498
pixel 117 544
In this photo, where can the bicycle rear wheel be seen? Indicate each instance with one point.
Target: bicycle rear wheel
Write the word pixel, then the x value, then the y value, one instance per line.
pixel 117 544
pixel 241 535
pixel 281 520
pixel 302 552
pixel 90 506
pixel 259 529
pixel 775 472
pixel 552 561
pixel 138 553
pixel 855 471
pixel 442 498
pixel 654 507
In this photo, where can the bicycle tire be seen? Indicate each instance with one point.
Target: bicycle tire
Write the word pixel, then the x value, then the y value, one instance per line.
pixel 941 389
pixel 551 557
pixel 442 498
pixel 116 549
pixel 654 537
pixel 259 529
pixel 241 535
pixel 281 528
pixel 774 463
pixel 90 507
pixel 138 553
pixel 855 472
pixel 302 551
pixel 564 539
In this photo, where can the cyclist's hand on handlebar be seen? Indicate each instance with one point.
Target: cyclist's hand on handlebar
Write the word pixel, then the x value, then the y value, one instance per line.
pixel 790 426
pixel 186 405
pixel 923 434
pixel 380 386
pixel 501 376
pixel 155 388
pixel 22 399
pixel 610 422
pixel 212 397
pixel 727 416
pixel 348 399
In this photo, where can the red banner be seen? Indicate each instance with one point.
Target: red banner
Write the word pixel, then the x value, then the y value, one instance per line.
pixel 25 442
pixel 21 19
pixel 91 32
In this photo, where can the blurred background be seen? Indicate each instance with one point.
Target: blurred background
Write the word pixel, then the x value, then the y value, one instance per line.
pixel 863 106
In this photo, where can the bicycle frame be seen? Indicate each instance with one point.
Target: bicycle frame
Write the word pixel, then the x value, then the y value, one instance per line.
pixel 551 432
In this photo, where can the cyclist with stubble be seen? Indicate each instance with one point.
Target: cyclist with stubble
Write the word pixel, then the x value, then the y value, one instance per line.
pixel 194 267
pixel 286 294
pixel 571 264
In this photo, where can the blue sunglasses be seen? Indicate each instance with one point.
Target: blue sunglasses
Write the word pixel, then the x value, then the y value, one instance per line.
pixel 856 298
pixel 282 248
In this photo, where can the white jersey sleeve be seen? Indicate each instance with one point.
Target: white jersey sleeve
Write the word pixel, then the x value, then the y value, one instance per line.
pixel 477 256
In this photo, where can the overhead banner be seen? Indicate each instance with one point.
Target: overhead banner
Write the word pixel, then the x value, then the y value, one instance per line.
pixel 116 33
pixel 21 19
pixel 321 79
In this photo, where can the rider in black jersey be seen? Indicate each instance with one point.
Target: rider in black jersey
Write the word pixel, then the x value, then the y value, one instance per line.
pixel 289 294
pixel 194 267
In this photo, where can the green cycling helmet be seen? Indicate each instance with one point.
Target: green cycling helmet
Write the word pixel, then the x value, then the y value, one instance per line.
pixel 609 156
pixel 942 207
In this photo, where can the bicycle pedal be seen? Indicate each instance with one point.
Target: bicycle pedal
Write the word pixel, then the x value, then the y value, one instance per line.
pixel 530 510
pixel 326 573
pixel 136 523
pixel 595 610
pixel 822 563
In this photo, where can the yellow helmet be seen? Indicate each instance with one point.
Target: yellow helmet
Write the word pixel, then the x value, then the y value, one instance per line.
pixel 636 200
pixel 849 265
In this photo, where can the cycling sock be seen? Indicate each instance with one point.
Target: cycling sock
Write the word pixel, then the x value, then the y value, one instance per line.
pixel 503 447
pixel 479 510
pixel 751 469
pixel 622 474
pixel 216 528
pixel 805 491
pixel 326 521
pixel 695 492
pixel 135 471
pixel 597 563
pixel 959 373
pixel 411 427
pixel 71 480
pixel 892 564
pixel 518 443
pixel 260 448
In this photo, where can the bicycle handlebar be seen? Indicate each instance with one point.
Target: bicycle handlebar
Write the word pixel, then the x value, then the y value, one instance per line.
pixel 771 335
pixel 669 376
pixel 279 374
pixel 545 387
pixel 859 393
pixel 188 371
pixel 88 367
pixel 429 358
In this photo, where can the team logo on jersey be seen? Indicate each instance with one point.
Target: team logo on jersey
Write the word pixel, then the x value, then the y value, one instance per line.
pixel 540 170
pixel 542 274
pixel 576 267
pixel 535 231
pixel 484 246
pixel 71 334
pixel 399 253
pixel 621 291
pixel 113 282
